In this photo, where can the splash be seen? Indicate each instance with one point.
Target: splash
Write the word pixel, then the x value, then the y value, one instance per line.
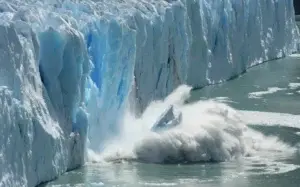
pixel 209 131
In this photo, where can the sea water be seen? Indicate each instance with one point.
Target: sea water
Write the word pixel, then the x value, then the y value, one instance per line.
pixel 266 98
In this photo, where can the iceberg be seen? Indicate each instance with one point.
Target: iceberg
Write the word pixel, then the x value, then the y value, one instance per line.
pixel 167 120
pixel 69 69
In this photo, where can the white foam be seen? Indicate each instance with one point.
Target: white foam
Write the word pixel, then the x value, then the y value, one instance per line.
pixel 69 185
pixel 210 131
pixel 223 100
pixel 296 55
pixel 97 184
pixel 158 184
pixel 294 85
pixel 270 118
pixel 265 165
pixel 258 95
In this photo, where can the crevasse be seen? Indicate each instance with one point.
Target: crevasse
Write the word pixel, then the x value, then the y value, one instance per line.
pixel 69 67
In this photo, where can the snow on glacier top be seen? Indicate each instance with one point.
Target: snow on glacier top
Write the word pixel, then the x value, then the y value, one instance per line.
pixel 77 13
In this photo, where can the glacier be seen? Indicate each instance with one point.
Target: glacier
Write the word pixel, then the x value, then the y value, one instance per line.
pixel 69 69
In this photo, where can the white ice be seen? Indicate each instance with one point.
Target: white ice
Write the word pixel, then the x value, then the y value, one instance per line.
pixel 258 95
pixel 209 131
pixel 270 118
pixel 294 85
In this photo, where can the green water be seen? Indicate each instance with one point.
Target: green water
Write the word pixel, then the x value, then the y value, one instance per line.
pixel 238 93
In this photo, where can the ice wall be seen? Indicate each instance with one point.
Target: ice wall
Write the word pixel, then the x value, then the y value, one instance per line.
pixel 206 42
pixel 42 85
pixel 69 67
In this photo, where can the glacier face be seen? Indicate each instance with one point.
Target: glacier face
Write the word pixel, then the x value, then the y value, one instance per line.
pixel 36 142
pixel 69 67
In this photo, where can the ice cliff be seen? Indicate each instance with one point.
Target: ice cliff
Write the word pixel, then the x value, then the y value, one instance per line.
pixel 69 67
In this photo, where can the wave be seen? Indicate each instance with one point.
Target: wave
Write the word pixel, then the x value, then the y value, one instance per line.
pixel 209 131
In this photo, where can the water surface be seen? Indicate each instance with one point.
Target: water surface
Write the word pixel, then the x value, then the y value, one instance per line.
pixel 268 96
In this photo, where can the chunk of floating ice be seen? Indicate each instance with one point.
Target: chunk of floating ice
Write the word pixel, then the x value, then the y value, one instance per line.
pixel 167 120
